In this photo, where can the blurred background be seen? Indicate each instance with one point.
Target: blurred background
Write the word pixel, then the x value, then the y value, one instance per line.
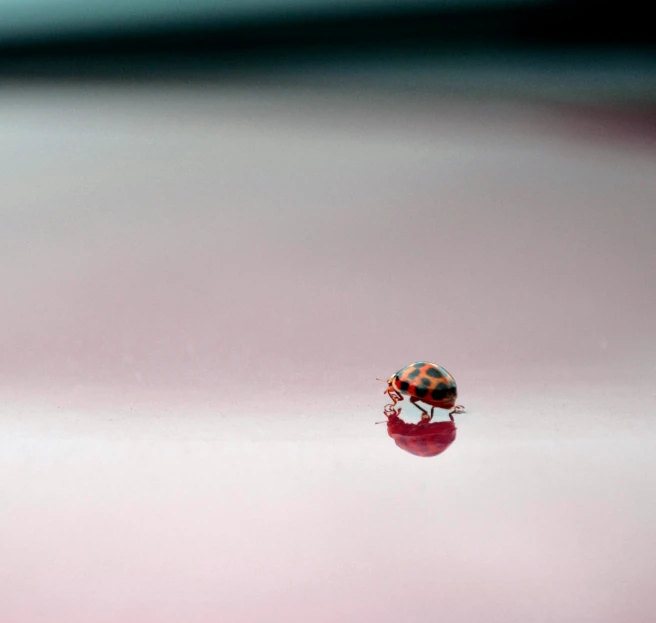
pixel 333 139
pixel 567 52
pixel 220 221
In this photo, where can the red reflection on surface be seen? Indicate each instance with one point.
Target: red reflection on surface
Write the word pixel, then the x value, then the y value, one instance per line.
pixel 422 439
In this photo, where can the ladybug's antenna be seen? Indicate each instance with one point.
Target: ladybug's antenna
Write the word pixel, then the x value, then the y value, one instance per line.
pixel 383 380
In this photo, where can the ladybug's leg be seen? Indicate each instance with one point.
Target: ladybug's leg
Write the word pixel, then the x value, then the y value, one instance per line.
pixel 424 414
pixel 390 411
pixel 394 394
pixel 395 397
pixel 457 409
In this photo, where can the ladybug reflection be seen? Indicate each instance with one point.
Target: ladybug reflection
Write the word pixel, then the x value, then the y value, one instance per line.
pixel 423 439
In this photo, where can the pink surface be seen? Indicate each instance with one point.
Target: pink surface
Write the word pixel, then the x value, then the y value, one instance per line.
pixel 198 291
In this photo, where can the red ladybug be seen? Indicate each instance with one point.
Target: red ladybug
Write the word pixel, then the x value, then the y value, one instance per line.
pixel 425 382
pixel 423 439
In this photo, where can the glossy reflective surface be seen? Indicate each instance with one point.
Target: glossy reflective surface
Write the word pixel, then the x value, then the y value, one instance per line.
pixel 199 290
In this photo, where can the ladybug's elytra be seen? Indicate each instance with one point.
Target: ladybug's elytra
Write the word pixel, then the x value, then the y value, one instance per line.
pixel 424 382
pixel 424 439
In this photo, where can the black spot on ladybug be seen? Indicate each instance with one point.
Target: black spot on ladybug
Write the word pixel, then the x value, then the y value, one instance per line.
pixel 421 392
pixel 419 364
pixel 426 382
pixel 440 393
pixel 434 372
pixel 405 386
pixel 414 374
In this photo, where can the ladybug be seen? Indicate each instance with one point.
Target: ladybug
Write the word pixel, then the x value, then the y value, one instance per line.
pixel 424 382
pixel 424 439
